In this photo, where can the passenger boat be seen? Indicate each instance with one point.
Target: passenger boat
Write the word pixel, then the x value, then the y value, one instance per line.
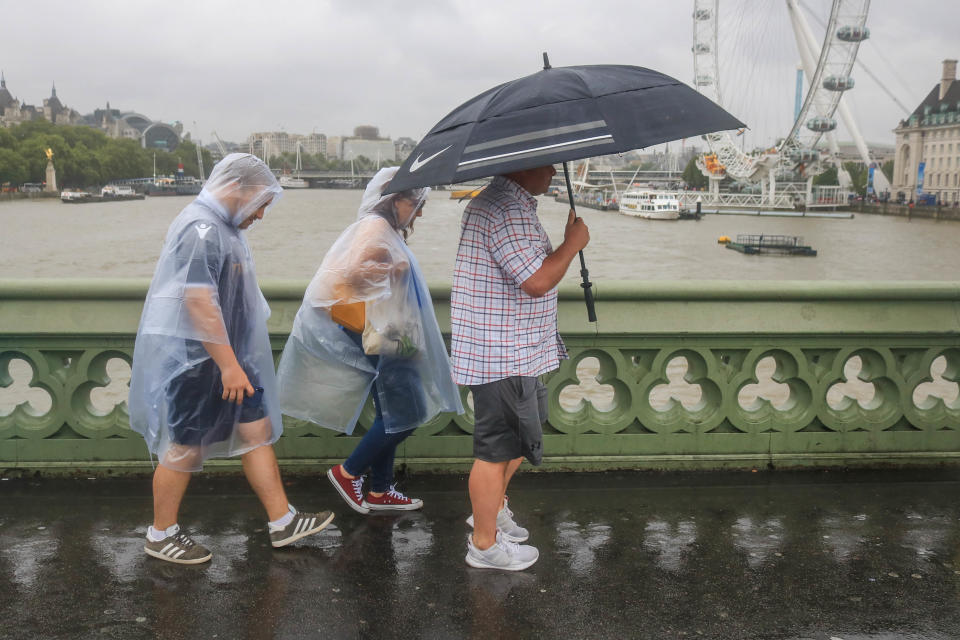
pixel 72 196
pixel 110 193
pixel 178 185
pixel 650 204
pixel 290 182
pixel 119 192
pixel 174 187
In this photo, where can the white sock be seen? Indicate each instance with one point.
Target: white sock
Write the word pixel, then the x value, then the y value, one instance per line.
pixel 284 520
pixel 157 536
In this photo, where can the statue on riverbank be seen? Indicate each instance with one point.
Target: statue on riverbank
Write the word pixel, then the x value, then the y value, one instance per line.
pixel 51 173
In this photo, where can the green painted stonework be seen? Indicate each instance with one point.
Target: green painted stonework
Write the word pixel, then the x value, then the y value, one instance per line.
pixel 808 334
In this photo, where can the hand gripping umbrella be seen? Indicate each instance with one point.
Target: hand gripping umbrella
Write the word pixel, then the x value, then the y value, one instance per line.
pixel 556 115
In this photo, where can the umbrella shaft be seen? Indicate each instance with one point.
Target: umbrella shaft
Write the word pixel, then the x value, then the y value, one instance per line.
pixel 584 274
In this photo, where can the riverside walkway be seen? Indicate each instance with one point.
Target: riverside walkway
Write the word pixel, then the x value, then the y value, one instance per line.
pixel 800 555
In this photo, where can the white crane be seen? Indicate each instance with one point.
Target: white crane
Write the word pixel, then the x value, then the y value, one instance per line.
pixel 223 149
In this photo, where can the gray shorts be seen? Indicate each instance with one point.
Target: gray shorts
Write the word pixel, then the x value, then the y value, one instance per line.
pixel 508 419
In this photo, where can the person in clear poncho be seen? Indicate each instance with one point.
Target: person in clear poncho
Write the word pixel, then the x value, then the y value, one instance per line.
pixel 202 381
pixel 367 325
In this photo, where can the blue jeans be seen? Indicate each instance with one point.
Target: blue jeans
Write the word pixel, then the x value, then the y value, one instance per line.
pixel 377 447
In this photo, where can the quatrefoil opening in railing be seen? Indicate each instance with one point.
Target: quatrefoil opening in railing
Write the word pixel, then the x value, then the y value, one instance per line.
pixel 462 423
pixel 588 394
pixel 768 387
pixel 682 394
pixel 103 400
pixel 854 389
pixel 679 388
pixel 601 397
pixel 865 396
pixel 16 377
pixel 98 387
pixel 773 392
pixel 943 386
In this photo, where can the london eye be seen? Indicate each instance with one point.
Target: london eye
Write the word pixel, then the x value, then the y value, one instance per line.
pixel 740 51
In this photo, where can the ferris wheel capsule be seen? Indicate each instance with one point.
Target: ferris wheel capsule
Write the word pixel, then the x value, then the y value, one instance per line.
pixel 804 156
pixel 853 34
pixel 821 124
pixel 838 83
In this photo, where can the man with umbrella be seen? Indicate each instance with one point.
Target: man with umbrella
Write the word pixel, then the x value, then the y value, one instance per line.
pixel 503 301
pixel 504 335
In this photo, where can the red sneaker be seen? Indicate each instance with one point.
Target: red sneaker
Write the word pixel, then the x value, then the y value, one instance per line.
pixel 350 490
pixel 392 500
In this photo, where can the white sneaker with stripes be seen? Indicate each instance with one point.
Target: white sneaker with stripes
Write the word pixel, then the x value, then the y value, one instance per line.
pixel 302 525
pixel 179 548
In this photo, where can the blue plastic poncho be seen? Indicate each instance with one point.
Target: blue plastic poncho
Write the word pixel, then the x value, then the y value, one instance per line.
pixel 324 375
pixel 204 290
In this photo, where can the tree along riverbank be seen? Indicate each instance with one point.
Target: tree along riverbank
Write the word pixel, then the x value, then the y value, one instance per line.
pixel 84 157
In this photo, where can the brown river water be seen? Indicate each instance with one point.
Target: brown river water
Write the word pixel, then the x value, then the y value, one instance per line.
pixel 49 239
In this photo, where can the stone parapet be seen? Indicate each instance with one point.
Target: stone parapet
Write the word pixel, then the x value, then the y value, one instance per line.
pixel 698 375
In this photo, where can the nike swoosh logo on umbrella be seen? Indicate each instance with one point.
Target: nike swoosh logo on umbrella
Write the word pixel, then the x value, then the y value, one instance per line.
pixel 416 164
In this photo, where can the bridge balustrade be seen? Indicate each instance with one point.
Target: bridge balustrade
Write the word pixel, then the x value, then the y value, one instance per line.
pixel 691 375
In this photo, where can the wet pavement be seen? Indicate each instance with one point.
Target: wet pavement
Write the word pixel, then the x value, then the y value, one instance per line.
pixel 818 555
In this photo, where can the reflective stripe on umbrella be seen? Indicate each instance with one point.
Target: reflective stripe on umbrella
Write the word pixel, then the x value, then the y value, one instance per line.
pixel 557 115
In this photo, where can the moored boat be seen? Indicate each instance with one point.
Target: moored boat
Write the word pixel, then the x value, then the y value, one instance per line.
pixel 74 196
pixel 119 192
pixel 174 187
pixel 650 204
pixel 290 182
pixel 295 181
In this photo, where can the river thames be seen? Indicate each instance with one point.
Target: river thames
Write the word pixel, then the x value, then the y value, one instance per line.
pixel 48 239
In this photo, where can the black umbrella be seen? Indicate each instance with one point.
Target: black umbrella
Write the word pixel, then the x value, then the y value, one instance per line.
pixel 555 115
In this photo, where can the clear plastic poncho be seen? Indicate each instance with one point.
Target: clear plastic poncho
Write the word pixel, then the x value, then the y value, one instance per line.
pixel 204 290
pixel 324 375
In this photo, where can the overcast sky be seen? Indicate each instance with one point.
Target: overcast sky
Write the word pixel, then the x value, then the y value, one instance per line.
pixel 238 67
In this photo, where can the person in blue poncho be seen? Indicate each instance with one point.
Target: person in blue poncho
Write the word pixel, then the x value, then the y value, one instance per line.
pixel 202 382
pixel 367 325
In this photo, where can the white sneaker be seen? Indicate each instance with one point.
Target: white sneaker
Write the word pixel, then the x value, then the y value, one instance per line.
pixel 507 525
pixel 503 555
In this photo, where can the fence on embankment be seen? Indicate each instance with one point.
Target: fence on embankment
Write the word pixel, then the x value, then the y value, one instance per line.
pixel 926 212
pixel 678 378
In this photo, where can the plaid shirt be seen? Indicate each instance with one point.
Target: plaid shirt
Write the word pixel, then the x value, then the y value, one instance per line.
pixel 498 330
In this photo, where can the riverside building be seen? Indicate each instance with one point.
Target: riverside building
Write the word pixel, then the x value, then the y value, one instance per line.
pixel 927 161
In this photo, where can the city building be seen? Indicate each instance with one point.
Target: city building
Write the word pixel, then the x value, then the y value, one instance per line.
pixel 366 142
pixel 277 143
pixel 879 153
pixel 315 144
pixel 403 147
pixel 150 133
pixel 334 147
pixel 269 144
pixel 927 160
pixel 14 112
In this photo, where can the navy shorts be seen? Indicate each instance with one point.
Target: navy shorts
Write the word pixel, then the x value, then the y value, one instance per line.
pixel 196 412
pixel 508 419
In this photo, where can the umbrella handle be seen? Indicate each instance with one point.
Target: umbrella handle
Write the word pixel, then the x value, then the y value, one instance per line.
pixel 584 273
